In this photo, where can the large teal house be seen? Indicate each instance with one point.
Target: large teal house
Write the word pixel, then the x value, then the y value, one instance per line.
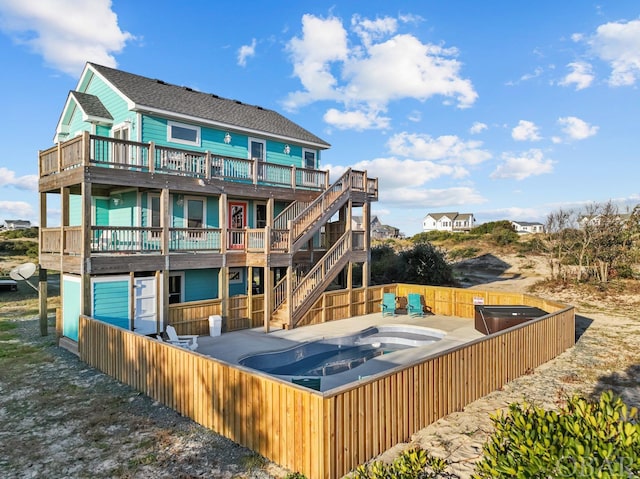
pixel 176 203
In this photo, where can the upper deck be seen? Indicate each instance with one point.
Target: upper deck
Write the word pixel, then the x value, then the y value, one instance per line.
pixel 136 164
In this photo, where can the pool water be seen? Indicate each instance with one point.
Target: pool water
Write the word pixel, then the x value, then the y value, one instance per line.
pixel 336 355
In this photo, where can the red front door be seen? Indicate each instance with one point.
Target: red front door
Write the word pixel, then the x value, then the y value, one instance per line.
pixel 237 224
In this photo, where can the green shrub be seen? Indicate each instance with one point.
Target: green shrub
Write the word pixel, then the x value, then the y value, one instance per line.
pixel 23 233
pixel 462 253
pixel 584 439
pixel 411 464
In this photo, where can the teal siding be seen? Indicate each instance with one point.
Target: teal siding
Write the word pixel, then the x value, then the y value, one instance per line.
pixel 111 302
pixel 239 288
pixel 145 212
pixel 178 220
pixel 102 130
pixel 155 129
pixel 102 211
pixel 70 307
pixel 75 210
pixel 213 212
pixel 278 207
pixel 76 124
pixel 200 284
pixel 124 214
pixel 113 102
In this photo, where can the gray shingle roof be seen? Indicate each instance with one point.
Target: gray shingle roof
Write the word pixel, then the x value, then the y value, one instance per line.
pixel 156 94
pixel 91 105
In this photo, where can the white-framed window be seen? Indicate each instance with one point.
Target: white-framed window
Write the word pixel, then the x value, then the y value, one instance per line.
pixel 257 149
pixel 183 133
pixel 195 212
pixel 260 215
pixel 309 158
pixel 176 287
pixel 153 209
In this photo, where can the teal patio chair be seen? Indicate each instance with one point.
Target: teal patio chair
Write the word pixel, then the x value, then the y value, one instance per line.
pixel 414 305
pixel 388 304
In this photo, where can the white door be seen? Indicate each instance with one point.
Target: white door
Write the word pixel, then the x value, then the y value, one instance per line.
pixel 145 317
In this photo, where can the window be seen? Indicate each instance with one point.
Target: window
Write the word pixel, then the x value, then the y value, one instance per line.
pixel 120 150
pixel 184 134
pixel 195 213
pixel 309 159
pixel 257 149
pixel 261 215
pixel 176 287
pixel 154 215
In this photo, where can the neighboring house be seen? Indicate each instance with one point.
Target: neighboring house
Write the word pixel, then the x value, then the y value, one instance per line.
pixel 595 220
pixel 174 201
pixel 524 227
pixel 454 222
pixel 17 224
pixel 377 229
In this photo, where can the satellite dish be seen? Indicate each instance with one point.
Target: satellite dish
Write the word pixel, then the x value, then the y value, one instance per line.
pixel 22 272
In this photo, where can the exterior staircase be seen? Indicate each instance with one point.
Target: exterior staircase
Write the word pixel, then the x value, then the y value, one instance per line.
pixel 294 295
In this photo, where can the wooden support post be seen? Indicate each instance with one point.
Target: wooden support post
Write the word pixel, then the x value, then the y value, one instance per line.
pixel 268 295
pixel 223 282
pixel 250 294
pixel 152 156
pixel 42 297
pixel 86 148
pixel 42 282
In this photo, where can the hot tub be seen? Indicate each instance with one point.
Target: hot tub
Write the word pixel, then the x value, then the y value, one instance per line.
pixel 491 319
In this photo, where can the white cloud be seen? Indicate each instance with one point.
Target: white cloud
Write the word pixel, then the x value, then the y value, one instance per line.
pixel 26 182
pixel 323 41
pixel 525 131
pixel 246 51
pixel 16 210
pixel 370 30
pixel 477 127
pixel 618 43
pixel 577 129
pixel 581 75
pixel 373 67
pixel 447 149
pixel 356 120
pixel 528 163
pixel 67 33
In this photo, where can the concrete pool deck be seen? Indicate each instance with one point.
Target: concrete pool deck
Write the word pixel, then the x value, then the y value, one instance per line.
pixel 232 347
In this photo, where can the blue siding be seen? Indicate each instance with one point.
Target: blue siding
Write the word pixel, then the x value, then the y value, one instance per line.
pixel 111 302
pixel 200 284
pixel 70 307
pixel 278 207
pixel 75 210
pixel 178 220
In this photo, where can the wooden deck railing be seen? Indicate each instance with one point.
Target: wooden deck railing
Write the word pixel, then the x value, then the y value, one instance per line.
pixel 88 150
pixel 326 435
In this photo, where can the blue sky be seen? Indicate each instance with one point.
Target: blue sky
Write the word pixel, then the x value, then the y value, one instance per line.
pixel 508 110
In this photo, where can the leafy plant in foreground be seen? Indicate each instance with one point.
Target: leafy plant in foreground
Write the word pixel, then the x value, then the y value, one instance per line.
pixel 583 440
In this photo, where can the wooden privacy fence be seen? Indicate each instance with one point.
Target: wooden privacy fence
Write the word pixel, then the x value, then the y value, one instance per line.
pixel 325 435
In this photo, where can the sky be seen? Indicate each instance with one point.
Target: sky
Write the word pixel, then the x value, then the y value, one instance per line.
pixel 507 110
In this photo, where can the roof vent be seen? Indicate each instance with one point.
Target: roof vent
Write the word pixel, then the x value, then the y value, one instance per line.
pixel 259 107
pixel 187 88
pixel 161 82
pixel 238 102
pixel 214 95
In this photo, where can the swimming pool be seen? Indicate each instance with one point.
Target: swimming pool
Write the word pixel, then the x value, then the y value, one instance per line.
pixel 335 355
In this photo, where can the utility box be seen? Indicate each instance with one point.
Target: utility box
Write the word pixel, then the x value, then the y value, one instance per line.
pixel 215 325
